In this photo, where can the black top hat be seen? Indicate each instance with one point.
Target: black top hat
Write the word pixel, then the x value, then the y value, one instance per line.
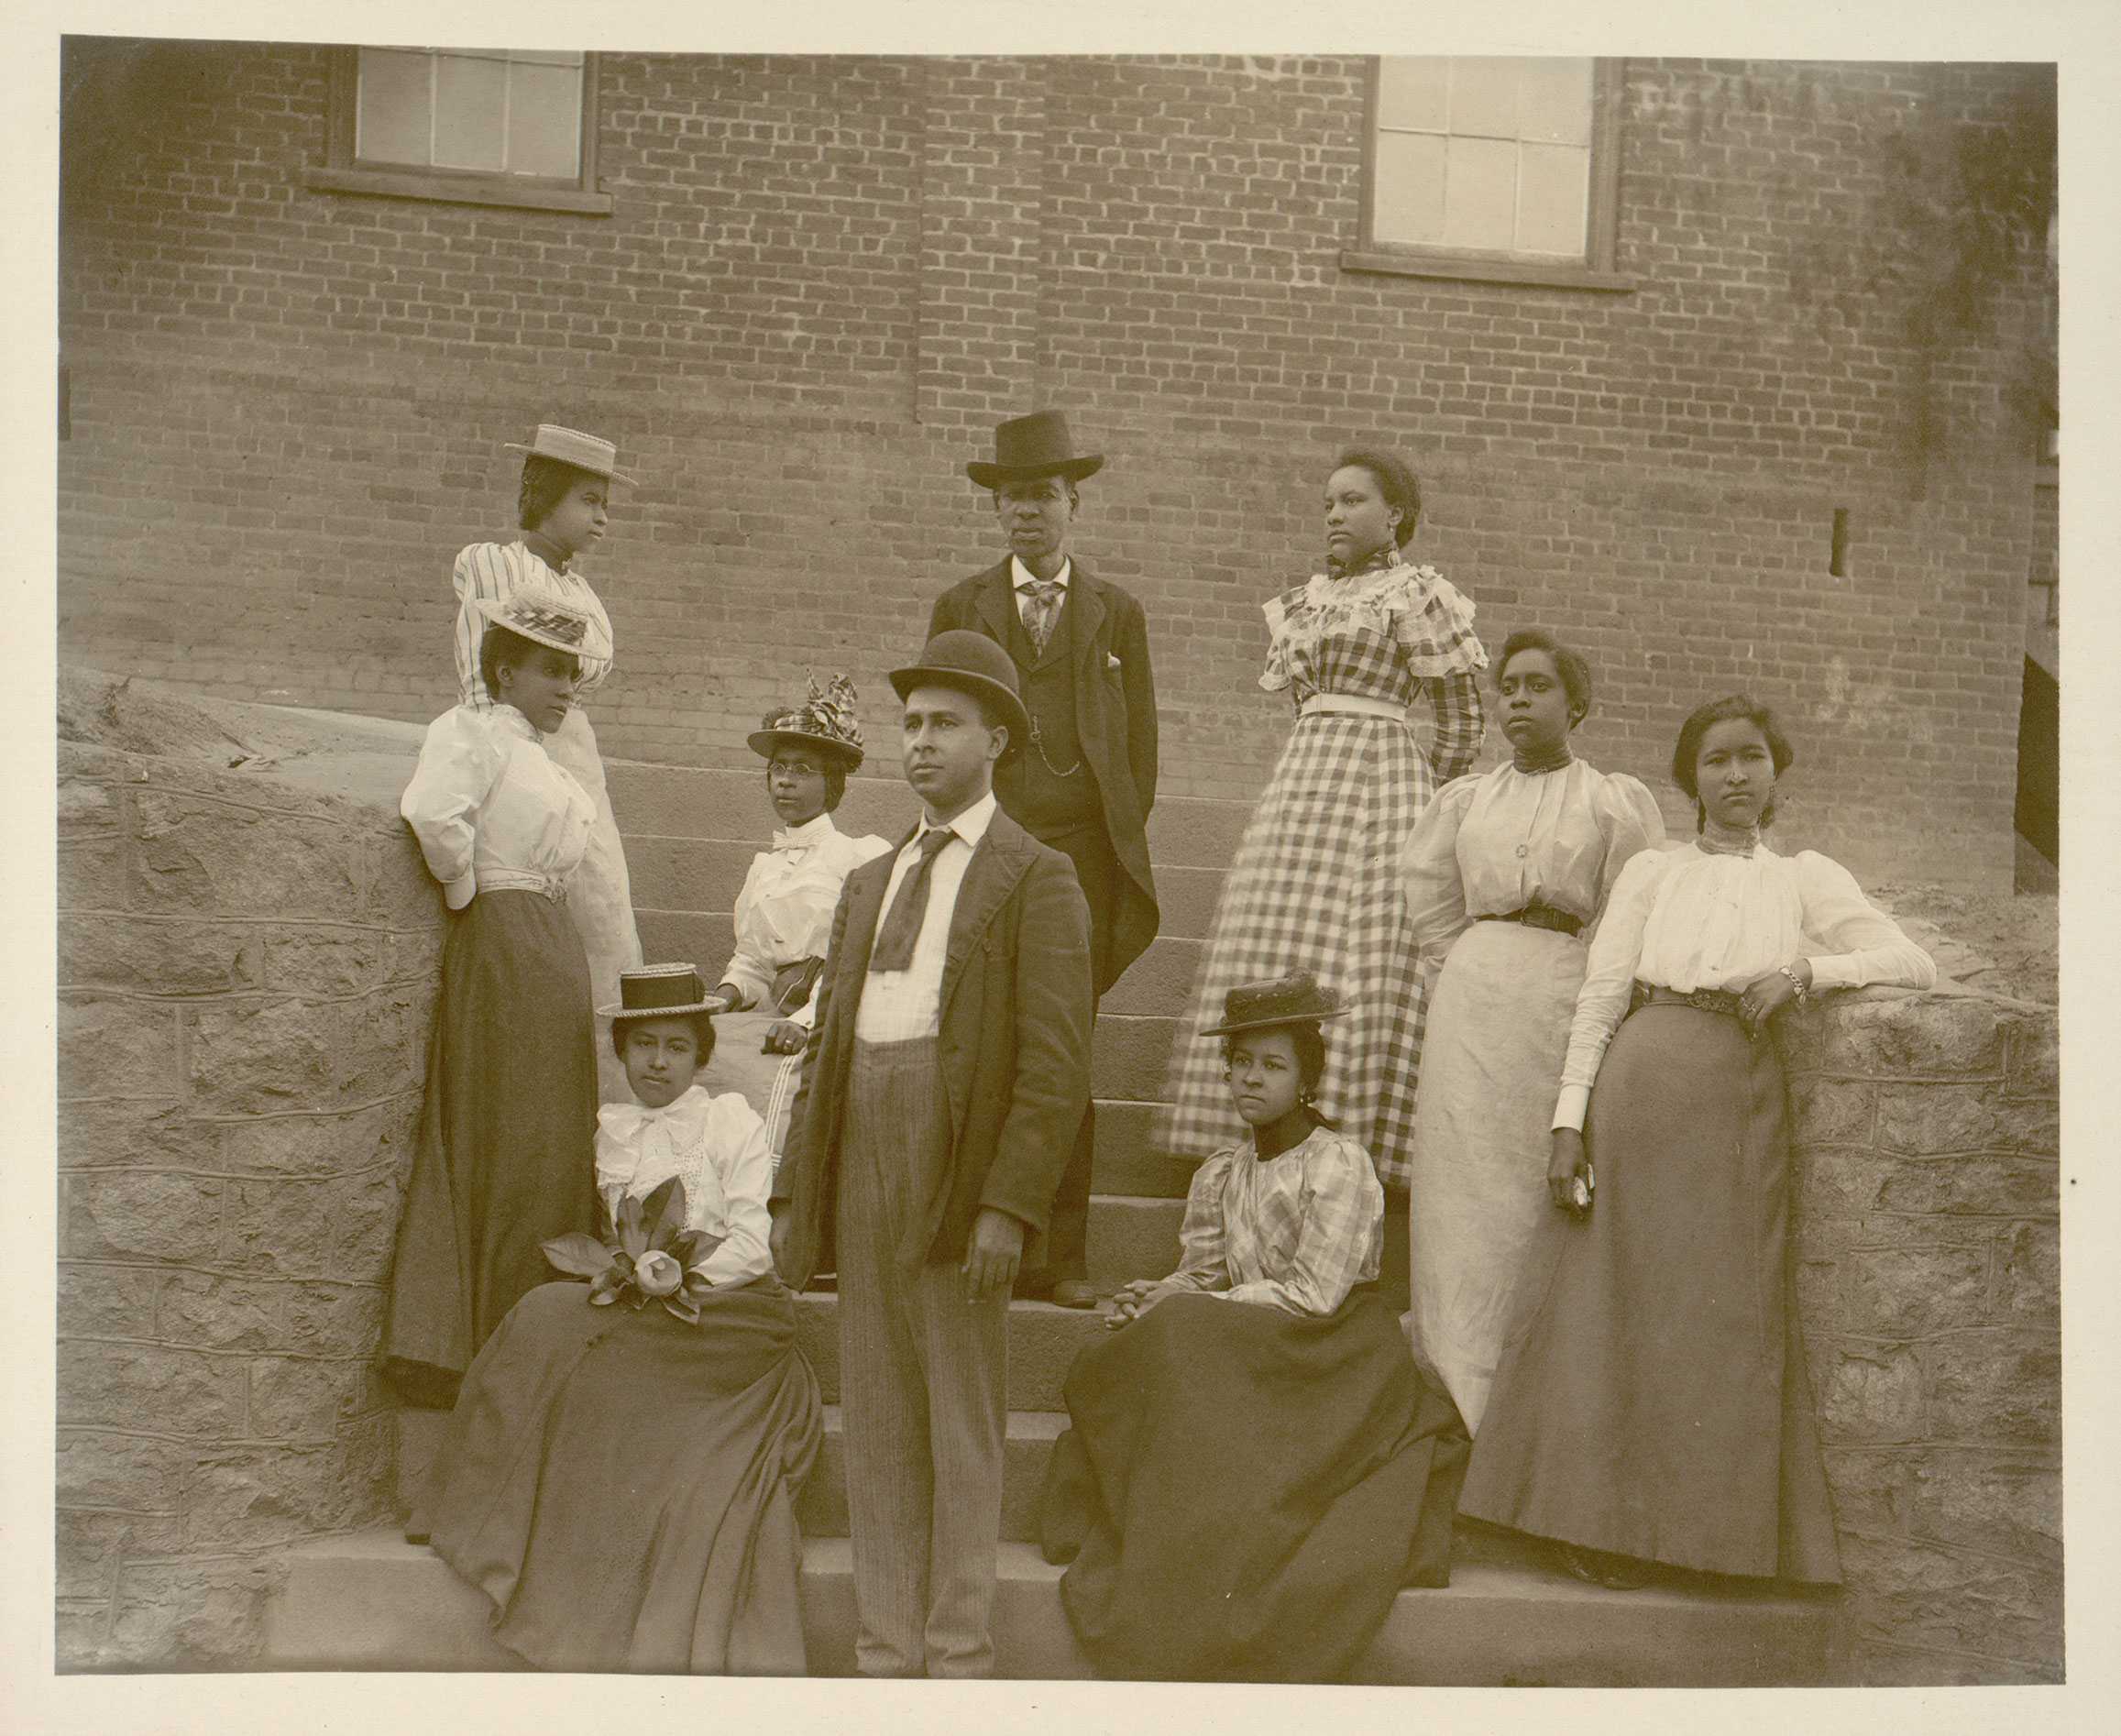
pixel 1032 446
pixel 1294 999
pixel 972 663
pixel 660 991
pixel 826 721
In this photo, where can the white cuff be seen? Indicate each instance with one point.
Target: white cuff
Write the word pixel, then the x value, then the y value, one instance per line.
pixel 461 891
pixel 1570 1106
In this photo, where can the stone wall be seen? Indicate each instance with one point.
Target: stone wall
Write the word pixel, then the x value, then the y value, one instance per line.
pixel 1927 1177
pixel 247 948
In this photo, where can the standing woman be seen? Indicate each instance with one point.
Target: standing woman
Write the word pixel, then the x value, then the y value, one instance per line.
pixel 1504 875
pixel 1656 1407
pixel 561 506
pixel 1315 885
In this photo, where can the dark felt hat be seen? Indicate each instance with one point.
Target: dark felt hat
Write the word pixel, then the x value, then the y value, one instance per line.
pixel 1295 999
pixel 1029 447
pixel 970 663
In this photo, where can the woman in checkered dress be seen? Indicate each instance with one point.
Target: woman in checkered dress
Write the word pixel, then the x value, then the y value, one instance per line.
pixel 1315 885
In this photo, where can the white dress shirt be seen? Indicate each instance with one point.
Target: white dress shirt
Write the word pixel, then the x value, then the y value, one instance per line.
pixel 717 1146
pixel 1021 575
pixel 785 912
pixel 899 1005
pixel 491 809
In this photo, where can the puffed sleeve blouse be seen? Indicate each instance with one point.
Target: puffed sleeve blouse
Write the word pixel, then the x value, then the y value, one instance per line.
pixel 1690 919
pixel 492 570
pixel 486 801
pixel 717 1147
pixel 1492 844
pixel 1296 1232
pixel 784 914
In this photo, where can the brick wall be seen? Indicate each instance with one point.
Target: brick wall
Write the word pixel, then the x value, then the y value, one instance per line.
pixel 246 967
pixel 826 277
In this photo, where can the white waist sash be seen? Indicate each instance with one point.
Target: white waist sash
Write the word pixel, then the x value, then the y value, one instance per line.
pixel 1352 705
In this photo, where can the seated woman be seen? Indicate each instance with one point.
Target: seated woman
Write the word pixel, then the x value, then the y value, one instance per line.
pixel 784 914
pixel 1655 1406
pixel 621 1480
pixel 1255 1466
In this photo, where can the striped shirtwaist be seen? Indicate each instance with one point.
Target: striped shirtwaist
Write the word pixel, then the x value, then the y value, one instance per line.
pixel 1315 885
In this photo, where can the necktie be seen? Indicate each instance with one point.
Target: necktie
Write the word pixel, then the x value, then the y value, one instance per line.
pixel 894 948
pixel 1042 596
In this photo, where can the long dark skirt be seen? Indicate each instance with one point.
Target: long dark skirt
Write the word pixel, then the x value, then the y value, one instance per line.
pixel 507 1152
pixel 622 1484
pixel 1243 1492
pixel 1656 1404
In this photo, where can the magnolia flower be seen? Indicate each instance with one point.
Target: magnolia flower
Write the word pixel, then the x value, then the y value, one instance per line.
pixel 657 1273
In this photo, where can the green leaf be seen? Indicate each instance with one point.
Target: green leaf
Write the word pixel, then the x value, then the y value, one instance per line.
pixel 606 1286
pixel 631 1237
pixel 683 1308
pixel 602 1299
pixel 663 1213
pixel 578 1255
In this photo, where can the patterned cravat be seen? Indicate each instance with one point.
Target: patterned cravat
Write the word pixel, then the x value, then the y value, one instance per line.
pixel 1042 608
pixel 894 948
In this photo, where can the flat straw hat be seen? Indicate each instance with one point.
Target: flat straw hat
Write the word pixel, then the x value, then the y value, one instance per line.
pixel 659 991
pixel 546 620
pixel 1294 999
pixel 569 445
pixel 826 722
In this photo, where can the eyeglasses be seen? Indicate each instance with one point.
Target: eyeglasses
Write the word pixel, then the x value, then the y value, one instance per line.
pixel 791 768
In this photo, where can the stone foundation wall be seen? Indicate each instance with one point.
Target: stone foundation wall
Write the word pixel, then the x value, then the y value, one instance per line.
pixel 1926 1175
pixel 246 969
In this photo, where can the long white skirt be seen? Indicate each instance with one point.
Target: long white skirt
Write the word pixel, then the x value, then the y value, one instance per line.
pixel 601 894
pixel 767 1082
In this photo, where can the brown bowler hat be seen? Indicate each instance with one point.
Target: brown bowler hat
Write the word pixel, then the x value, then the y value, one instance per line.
pixel 1295 999
pixel 972 663
pixel 1032 446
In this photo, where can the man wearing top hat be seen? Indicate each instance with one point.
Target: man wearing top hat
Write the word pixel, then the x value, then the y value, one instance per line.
pixel 942 1088
pixel 1085 779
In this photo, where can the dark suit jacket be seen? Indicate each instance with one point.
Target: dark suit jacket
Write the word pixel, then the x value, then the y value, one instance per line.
pixel 1015 1041
pixel 1115 717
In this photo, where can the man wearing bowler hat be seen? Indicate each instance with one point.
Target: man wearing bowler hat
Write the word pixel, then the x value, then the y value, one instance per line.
pixel 1085 779
pixel 945 1080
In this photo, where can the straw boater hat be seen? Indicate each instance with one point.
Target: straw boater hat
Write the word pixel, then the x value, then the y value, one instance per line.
pixel 585 452
pixel 972 663
pixel 1295 999
pixel 546 620
pixel 826 722
pixel 1033 446
pixel 659 991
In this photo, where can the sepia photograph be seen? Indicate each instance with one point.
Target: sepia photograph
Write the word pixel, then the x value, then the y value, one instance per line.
pixel 1121 866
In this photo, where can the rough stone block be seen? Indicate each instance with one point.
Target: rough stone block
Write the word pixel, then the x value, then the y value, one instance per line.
pixel 87 807
pixel 334 1319
pixel 192 1614
pixel 1866 1393
pixel 1923 1120
pixel 327 1144
pixel 1899 1293
pixel 253 1057
pixel 138 1473
pixel 147 956
pixel 81 1636
pixel 1919 1593
pixel 135 1133
pixel 107 1301
pixel 142 1215
pixel 183 1391
pixel 1872 1487
pixel 255 1496
pixel 115 1048
pixel 2036 1057
pixel 1831 1111
pixel 211 1312
pixel 92 874
pixel 1983 1186
pixel 2030 1276
pixel 2006 1504
pixel 332 961
pixel 1996 1385
pixel 341 1228
pixel 1924 1036
pixel 204 856
pixel 91 1545
pixel 303 1398
pixel 1879 1665
pixel 398 891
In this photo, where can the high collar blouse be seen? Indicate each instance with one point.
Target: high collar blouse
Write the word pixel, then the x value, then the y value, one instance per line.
pixel 1375 632
pixel 1296 1232
pixel 717 1147
pixel 1690 919
pixel 489 806
pixel 784 914
pixel 1492 844
pixel 487 571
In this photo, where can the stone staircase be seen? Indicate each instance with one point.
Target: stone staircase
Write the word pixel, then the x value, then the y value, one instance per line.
pixel 372 1601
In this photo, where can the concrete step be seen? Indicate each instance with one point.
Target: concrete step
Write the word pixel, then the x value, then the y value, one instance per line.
pixel 682 801
pixel 371 1602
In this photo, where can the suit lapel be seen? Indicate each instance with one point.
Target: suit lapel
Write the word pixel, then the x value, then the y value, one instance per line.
pixel 1084 614
pixel 864 900
pixel 990 878
pixel 996 604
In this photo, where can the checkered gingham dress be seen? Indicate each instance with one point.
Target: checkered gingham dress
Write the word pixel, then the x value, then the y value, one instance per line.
pixel 1316 882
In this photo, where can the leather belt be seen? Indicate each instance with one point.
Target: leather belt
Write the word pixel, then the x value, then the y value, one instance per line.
pixel 1536 915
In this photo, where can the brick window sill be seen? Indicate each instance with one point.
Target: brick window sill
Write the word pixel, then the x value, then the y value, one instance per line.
pixel 468 190
pixel 1520 272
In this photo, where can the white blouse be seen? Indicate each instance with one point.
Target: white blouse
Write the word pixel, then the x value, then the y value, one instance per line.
pixel 489 806
pixel 493 570
pixel 717 1146
pixel 1690 919
pixel 1492 844
pixel 785 912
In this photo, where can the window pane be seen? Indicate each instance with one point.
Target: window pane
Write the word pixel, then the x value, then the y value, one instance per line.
pixel 391 119
pixel 544 120
pixel 1553 199
pixel 470 100
pixel 1413 90
pixel 1553 101
pixel 1484 96
pixel 1479 194
pixel 1410 189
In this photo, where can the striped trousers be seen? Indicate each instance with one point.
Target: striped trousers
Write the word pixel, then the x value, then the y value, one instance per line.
pixel 922 1384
